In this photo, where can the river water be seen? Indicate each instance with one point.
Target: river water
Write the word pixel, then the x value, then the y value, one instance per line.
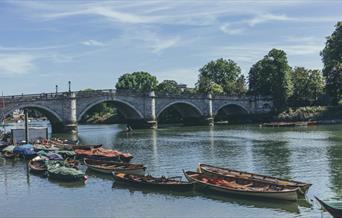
pixel 312 154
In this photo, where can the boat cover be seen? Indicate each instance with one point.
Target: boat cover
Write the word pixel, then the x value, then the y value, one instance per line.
pixel 54 156
pixel 57 168
pixel 9 148
pixel 26 150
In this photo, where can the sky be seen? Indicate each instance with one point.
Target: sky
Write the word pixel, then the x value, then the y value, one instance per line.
pixel 92 43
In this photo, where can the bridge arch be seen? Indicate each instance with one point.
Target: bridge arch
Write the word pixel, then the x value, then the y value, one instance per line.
pixel 231 112
pixel 55 119
pixel 128 110
pixel 51 115
pixel 183 111
pixel 182 107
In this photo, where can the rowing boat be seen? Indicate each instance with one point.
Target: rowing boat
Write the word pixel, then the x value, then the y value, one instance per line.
pixel 213 170
pixel 104 154
pixel 57 171
pixel 236 186
pixel 335 212
pixel 170 184
pixel 109 167
pixel 37 165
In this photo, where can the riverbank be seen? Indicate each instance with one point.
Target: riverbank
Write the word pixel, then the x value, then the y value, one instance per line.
pixel 322 114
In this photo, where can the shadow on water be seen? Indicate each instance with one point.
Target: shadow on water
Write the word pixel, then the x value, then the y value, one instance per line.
pixel 94 175
pixel 287 206
pixel 334 153
pixel 272 157
pixel 76 184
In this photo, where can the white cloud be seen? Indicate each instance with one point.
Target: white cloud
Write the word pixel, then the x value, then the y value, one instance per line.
pixel 263 18
pixel 16 64
pixel 92 42
pixel 230 30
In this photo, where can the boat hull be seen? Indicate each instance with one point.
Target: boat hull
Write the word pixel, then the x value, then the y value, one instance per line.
pixel 288 195
pixel 134 169
pixel 336 213
pixel 302 187
pixel 168 187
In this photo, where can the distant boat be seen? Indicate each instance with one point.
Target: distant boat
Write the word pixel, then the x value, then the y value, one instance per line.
pixel 289 124
pixel 213 170
pixel 335 212
pixel 236 186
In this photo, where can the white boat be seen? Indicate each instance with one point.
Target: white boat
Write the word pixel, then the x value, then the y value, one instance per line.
pixel 234 186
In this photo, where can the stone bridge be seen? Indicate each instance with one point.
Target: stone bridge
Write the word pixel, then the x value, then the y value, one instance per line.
pixel 64 110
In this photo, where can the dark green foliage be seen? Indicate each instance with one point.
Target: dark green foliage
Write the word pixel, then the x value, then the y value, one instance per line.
pixel 332 59
pixel 205 85
pixel 307 84
pixel 137 81
pixel 221 74
pixel 272 76
pixel 168 87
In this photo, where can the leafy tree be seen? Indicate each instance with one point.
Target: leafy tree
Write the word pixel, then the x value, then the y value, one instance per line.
pixel 332 59
pixel 272 76
pixel 205 85
pixel 221 72
pixel 307 84
pixel 137 81
pixel 169 86
pixel 240 86
pixel 316 84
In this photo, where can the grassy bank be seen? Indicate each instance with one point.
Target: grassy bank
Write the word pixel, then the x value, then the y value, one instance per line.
pixel 311 113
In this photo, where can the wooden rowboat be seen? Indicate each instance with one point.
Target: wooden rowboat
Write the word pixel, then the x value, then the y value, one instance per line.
pixel 59 172
pixel 213 170
pixel 335 212
pixel 235 186
pixel 37 166
pixel 108 167
pixel 163 183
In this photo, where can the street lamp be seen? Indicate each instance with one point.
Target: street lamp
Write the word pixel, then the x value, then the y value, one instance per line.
pixel 69 86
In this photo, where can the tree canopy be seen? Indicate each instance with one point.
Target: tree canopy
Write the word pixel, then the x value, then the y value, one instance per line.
pixel 224 73
pixel 169 87
pixel 272 76
pixel 137 81
pixel 332 60
pixel 307 84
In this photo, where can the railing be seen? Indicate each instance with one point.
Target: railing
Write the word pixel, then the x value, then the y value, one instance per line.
pixel 101 92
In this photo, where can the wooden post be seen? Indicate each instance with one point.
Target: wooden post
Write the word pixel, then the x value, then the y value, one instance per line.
pixel 26 126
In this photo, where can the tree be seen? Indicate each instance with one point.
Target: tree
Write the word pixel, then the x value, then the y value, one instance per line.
pixel 272 76
pixel 332 60
pixel 137 81
pixel 316 84
pixel 224 73
pixel 205 85
pixel 169 87
pixel 307 84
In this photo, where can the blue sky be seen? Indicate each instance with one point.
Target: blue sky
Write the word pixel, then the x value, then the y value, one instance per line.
pixel 91 43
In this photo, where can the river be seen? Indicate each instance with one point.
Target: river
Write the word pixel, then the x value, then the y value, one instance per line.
pixel 312 154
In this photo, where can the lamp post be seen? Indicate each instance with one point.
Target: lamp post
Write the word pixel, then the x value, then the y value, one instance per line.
pixel 56 89
pixel 69 82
